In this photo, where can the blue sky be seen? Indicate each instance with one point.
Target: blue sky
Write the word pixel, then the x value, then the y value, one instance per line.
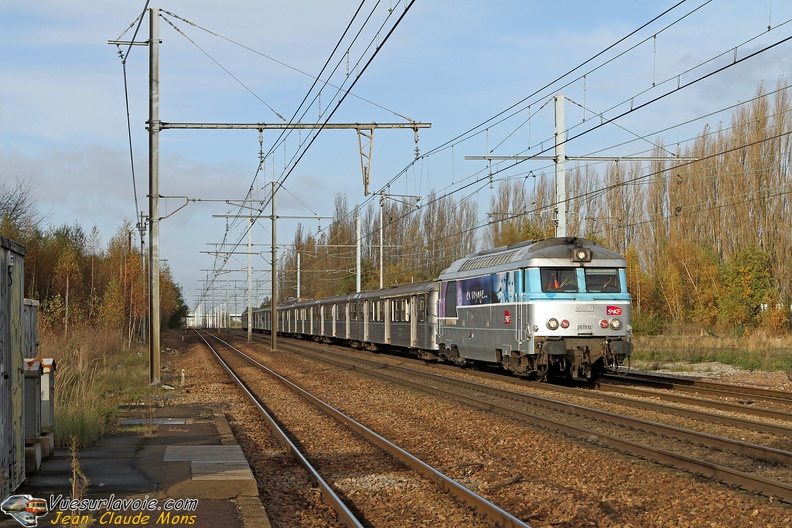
pixel 453 64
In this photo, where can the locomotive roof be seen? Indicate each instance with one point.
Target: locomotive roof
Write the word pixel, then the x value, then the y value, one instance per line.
pixel 393 291
pixel 554 252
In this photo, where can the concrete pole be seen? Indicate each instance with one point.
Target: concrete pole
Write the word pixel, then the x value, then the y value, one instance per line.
pixel 382 244
pixel 560 172
pixel 250 283
pixel 357 252
pixel 154 265
pixel 274 308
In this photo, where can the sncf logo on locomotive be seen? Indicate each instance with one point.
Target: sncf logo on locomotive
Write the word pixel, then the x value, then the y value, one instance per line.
pixel 613 310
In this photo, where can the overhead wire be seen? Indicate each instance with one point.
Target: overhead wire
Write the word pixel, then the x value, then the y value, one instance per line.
pixel 289 66
pixel 286 173
pixel 139 22
pixel 343 96
pixel 568 73
pixel 658 98
pixel 492 121
pixel 483 182
pixel 237 79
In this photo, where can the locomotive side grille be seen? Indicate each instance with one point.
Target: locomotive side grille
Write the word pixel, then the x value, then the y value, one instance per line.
pixel 488 261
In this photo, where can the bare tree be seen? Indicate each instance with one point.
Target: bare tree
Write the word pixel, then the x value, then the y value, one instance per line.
pixel 18 208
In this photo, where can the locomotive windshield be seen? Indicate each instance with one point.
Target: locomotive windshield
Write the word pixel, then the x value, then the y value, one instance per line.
pixel 567 280
pixel 602 280
pixel 559 280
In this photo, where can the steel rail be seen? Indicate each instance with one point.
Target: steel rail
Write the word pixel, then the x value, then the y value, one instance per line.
pixel 475 501
pixel 697 385
pixel 701 402
pixel 744 423
pixel 739 447
pixel 329 497
pixel 770 487
pixel 761 427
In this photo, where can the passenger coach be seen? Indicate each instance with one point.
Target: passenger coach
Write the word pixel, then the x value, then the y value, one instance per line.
pixel 402 317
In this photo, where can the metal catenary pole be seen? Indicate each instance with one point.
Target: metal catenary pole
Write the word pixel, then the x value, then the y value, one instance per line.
pixel 155 126
pixel 560 158
pixel 154 265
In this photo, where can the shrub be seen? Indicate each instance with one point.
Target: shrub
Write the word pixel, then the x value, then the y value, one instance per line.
pixel 95 374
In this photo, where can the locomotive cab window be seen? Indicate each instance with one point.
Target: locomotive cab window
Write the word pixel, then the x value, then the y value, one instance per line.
pixel 602 280
pixel 559 280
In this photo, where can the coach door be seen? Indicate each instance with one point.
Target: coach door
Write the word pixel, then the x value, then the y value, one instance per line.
pixel 413 310
pixel 386 319
pixel 347 320
pixel 366 320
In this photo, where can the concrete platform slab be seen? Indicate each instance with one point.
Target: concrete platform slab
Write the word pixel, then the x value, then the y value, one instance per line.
pixel 181 464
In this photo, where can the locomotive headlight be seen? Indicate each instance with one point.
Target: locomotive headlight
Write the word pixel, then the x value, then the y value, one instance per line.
pixel 604 323
pixel 581 255
pixel 615 324
pixel 552 323
pixel 564 324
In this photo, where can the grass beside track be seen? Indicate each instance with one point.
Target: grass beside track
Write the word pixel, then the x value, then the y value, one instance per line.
pixel 749 353
pixel 95 375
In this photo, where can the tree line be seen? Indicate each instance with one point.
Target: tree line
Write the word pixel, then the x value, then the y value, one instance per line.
pixel 707 240
pixel 76 281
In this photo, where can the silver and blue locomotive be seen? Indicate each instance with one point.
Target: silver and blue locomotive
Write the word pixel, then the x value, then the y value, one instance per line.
pixel 557 307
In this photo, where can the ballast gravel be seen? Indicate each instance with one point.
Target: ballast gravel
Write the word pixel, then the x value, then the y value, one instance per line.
pixel 544 478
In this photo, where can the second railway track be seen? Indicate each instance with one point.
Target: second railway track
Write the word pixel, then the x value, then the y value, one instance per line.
pixel 735 462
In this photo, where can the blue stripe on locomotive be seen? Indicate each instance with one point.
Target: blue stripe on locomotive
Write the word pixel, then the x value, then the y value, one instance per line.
pixel 505 287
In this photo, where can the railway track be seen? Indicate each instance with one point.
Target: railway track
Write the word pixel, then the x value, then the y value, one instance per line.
pixel 341 455
pixel 742 394
pixel 732 461
pixel 742 407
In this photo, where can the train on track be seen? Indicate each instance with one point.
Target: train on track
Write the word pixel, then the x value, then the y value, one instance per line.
pixel 558 307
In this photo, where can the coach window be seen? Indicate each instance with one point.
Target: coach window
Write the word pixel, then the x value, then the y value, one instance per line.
pixel 406 310
pixel 421 309
pixel 555 280
pixel 400 313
